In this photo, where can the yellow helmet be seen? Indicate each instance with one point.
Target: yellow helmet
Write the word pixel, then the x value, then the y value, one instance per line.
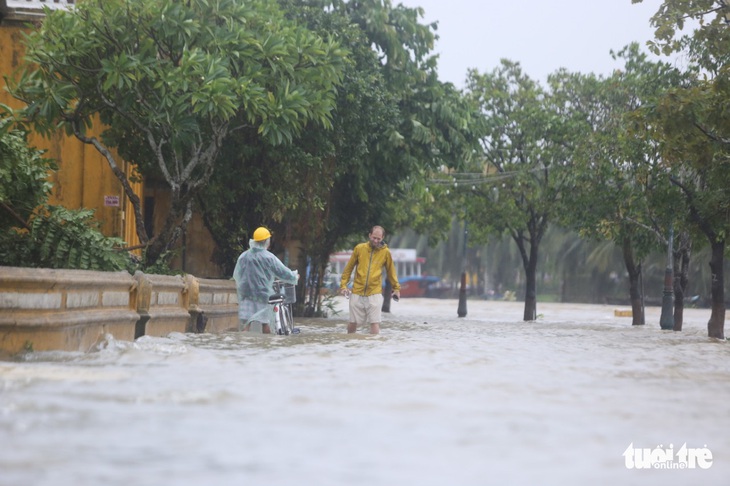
pixel 261 234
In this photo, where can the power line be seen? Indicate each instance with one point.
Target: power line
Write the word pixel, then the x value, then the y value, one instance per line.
pixel 477 177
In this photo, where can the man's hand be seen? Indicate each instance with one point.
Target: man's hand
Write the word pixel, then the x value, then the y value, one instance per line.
pixel 396 296
pixel 345 292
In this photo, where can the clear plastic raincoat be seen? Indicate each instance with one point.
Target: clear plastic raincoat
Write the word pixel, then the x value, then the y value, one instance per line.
pixel 255 272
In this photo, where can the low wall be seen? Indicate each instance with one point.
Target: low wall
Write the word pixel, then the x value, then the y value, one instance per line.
pixel 74 310
pixel 218 302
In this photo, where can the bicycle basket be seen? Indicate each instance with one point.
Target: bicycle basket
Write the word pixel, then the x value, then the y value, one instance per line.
pixel 290 293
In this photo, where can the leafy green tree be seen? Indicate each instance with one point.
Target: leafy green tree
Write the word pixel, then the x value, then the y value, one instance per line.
pixel 688 122
pixel 691 125
pixel 173 80
pixel 622 191
pixel 293 187
pixel 707 21
pixel 394 123
pixel 34 234
pixel 384 156
pixel 526 147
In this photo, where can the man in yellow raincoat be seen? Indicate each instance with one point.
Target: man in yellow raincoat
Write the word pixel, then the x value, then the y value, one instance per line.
pixel 366 298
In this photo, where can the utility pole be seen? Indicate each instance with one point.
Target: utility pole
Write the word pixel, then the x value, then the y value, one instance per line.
pixel 461 312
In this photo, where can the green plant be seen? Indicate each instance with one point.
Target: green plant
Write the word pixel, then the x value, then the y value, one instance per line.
pixel 161 266
pixel 23 174
pixel 35 234
pixel 61 238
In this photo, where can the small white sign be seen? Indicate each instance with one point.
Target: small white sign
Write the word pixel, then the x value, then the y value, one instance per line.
pixel 111 201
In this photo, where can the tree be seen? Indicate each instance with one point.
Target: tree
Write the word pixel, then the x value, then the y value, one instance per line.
pixel 294 187
pixel 426 124
pixel 526 151
pixel 708 20
pixel 394 123
pixel 691 124
pixel 687 122
pixel 172 80
pixel 621 190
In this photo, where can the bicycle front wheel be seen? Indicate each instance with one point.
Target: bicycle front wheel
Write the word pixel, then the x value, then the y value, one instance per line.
pixel 286 319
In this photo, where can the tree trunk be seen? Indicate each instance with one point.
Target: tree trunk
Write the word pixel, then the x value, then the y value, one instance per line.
pixel 681 270
pixel 716 325
pixel 319 283
pixel 530 296
pixel 171 229
pixel 634 271
pixel 387 290
pixel 531 285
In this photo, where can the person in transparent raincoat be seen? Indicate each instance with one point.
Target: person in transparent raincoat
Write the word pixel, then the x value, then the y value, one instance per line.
pixel 255 272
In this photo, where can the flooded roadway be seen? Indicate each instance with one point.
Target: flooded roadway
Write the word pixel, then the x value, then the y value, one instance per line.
pixel 433 400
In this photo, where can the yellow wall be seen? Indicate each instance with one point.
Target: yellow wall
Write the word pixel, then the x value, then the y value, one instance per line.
pixel 84 178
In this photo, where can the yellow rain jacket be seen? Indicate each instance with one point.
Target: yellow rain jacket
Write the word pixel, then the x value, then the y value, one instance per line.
pixel 369 273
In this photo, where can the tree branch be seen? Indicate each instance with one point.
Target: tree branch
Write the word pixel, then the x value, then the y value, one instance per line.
pixel 120 175
pixel 15 215
pixel 711 135
pixel 663 240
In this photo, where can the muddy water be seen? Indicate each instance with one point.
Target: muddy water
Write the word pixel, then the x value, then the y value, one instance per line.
pixel 433 400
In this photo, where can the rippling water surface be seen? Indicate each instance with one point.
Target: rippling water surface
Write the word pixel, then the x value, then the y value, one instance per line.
pixel 433 400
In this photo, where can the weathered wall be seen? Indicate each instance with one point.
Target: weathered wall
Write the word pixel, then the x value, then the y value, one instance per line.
pixel 83 179
pixel 74 310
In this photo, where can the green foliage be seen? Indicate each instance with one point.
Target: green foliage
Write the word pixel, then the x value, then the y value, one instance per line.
pixel 622 191
pixel 397 124
pixel 692 130
pixel 61 238
pixel 23 176
pixel 697 27
pixel 173 80
pixel 33 234
pixel 526 152
pixel 394 123
pixel 161 266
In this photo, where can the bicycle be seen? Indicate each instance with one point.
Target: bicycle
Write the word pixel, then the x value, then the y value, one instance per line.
pixel 282 300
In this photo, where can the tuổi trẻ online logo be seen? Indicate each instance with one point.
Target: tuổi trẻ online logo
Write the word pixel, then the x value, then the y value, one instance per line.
pixel 667 458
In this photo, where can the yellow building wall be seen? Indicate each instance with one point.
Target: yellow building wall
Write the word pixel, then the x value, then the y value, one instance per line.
pixel 84 178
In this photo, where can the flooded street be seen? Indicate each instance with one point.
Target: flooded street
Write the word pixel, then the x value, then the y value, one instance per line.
pixel 570 399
